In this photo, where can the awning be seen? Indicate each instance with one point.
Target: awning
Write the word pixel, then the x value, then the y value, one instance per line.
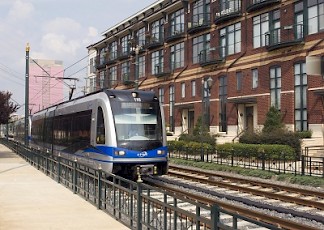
pixel 242 100
pixel 319 92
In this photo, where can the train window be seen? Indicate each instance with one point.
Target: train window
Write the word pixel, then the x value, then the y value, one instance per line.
pixel 100 127
pixel 137 121
pixel 72 130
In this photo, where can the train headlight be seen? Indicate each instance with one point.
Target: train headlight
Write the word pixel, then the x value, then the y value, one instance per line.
pixel 120 153
pixel 160 152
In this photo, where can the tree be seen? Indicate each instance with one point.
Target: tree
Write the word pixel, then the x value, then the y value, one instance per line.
pixel 6 107
pixel 273 121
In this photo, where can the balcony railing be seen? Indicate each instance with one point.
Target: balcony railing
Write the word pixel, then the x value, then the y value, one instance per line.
pixel 253 5
pixel 154 41
pixel 285 36
pixel 112 58
pixel 161 71
pixel 124 54
pixel 100 62
pixel 175 32
pixel 211 56
pixel 233 10
pixel 126 78
pixel 198 23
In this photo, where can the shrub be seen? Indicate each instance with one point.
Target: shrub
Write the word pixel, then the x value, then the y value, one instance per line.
pixel 273 152
pixel 279 137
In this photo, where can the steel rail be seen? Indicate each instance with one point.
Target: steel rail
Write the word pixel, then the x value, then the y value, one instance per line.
pixel 301 191
pixel 275 221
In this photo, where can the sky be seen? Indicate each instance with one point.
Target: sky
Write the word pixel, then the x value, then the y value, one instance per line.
pixel 55 30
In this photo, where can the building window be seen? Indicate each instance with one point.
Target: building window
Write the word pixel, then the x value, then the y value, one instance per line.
pixel 157 31
pixel 230 39
pixel 262 25
pixel 200 12
pixel 141 66
pixel 315 16
pixel 230 5
pixel 239 81
pixel 102 79
pixel 171 111
pixel 112 75
pixel 222 104
pixel 102 56
pixel 92 84
pixel 183 90
pixel 112 51
pixel 125 73
pixel 177 22
pixel 299 19
pixel 125 45
pixel 140 35
pixel 92 65
pixel 275 87
pixel 161 95
pixel 200 45
pixel 193 88
pixel 300 97
pixel 157 62
pixel 255 78
pixel 177 55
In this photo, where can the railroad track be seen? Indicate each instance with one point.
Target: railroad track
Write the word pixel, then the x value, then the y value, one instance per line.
pixel 198 183
pixel 312 199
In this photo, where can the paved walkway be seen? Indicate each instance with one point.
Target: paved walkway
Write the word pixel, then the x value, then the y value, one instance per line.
pixel 29 200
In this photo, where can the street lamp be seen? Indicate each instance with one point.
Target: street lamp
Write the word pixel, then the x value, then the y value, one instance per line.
pixel 206 87
pixel 136 50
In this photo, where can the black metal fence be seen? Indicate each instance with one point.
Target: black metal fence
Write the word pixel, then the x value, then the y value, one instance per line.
pixel 137 205
pixel 304 165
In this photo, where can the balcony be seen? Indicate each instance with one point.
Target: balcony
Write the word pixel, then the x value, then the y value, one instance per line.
pixel 153 42
pixel 111 83
pixel 161 71
pixel 126 79
pixel 253 5
pixel 284 36
pixel 212 56
pixel 100 62
pixel 232 11
pixel 175 32
pixel 112 58
pixel 124 54
pixel 199 23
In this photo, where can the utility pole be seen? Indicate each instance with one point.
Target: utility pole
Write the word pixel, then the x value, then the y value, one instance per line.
pixel 27 97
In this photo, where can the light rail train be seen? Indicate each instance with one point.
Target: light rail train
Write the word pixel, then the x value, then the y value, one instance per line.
pixel 118 131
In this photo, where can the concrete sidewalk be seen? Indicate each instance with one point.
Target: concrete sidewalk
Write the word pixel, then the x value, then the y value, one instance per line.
pixel 31 200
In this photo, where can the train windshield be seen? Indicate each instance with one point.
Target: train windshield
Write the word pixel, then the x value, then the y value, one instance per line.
pixel 137 121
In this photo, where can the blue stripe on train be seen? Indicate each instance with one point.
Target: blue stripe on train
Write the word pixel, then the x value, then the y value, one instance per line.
pixel 110 151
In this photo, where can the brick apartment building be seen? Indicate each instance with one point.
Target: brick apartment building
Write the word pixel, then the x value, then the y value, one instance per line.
pixel 229 60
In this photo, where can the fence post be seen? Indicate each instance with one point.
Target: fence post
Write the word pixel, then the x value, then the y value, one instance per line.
pixel 303 165
pixel 139 205
pixel 263 160
pixel 74 177
pixel 58 168
pixel 214 217
pixel 99 188
pixel 232 157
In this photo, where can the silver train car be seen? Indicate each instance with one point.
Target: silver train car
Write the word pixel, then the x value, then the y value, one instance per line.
pixel 119 131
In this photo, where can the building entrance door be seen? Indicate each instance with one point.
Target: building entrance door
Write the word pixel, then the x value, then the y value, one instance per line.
pixel 191 122
pixel 249 119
